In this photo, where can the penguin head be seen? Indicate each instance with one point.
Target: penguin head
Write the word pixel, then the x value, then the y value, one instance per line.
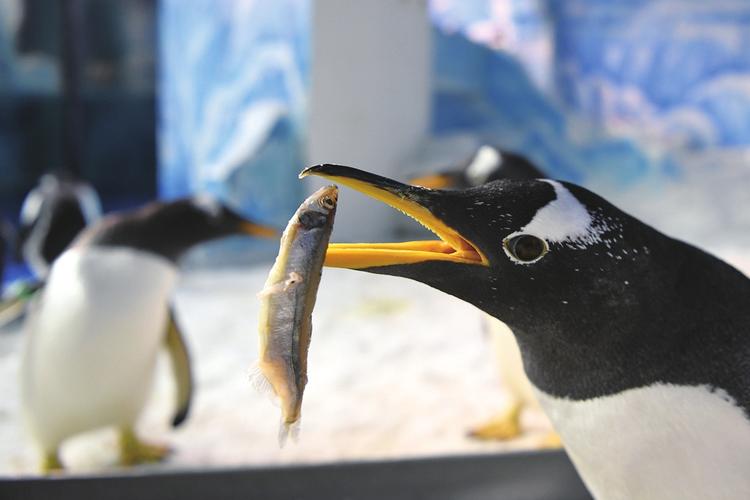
pixel 487 164
pixel 171 228
pixel 206 218
pixel 532 253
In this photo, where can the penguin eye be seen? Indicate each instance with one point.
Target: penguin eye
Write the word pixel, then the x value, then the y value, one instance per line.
pixel 525 247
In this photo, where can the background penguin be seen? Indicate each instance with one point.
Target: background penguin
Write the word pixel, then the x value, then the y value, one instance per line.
pixel 486 165
pixel 96 328
pixel 636 344
pixel 7 241
pixel 52 215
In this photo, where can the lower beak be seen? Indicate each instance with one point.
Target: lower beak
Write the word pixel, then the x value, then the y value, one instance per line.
pixel 412 201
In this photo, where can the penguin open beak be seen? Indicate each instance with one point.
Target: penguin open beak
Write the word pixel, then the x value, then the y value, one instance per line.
pixel 258 230
pixel 412 201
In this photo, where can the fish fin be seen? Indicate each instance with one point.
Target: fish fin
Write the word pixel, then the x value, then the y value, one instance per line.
pixel 270 290
pixel 287 430
pixel 262 384
pixel 293 279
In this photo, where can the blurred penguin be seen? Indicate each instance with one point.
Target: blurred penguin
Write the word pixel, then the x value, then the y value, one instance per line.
pixel 486 165
pixel 94 331
pixel 52 215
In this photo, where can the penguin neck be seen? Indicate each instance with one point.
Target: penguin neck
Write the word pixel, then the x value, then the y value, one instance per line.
pixel 168 240
pixel 651 335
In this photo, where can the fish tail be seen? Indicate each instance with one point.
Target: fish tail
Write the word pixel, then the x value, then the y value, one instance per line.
pixel 287 430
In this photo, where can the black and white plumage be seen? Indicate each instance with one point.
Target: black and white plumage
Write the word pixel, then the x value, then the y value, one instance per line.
pixel 637 344
pixel 96 328
pixel 52 215
pixel 487 164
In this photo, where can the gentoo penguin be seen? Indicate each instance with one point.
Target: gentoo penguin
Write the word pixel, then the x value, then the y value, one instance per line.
pixel 636 344
pixel 94 333
pixel 52 215
pixel 486 165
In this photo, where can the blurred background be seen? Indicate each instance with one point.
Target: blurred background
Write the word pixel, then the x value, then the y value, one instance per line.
pixel 645 102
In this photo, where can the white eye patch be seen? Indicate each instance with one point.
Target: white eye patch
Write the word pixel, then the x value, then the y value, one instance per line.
pixel 563 219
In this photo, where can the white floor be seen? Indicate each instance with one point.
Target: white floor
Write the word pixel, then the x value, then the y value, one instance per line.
pixel 395 369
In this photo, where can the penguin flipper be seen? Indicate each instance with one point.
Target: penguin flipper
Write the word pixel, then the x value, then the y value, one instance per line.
pixel 180 361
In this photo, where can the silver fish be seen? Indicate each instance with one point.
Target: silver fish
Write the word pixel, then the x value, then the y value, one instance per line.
pixel 287 302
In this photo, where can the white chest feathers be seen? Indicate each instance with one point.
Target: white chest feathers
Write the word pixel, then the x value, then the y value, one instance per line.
pixel 99 287
pixel 657 442
pixel 92 340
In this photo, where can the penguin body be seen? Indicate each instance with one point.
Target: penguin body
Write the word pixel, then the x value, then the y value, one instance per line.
pixel 94 338
pixel 657 441
pixel 95 330
pixel 636 344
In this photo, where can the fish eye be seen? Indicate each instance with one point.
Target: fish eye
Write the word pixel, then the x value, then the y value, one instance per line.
pixel 525 248
pixel 327 202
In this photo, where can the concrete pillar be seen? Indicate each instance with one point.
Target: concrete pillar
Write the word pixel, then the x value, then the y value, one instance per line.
pixel 370 97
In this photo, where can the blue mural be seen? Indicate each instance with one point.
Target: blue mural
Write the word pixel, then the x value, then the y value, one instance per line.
pixel 610 92
pixel 619 96
pixel 679 68
pixel 233 92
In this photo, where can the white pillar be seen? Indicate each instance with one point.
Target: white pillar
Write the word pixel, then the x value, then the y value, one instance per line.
pixel 370 97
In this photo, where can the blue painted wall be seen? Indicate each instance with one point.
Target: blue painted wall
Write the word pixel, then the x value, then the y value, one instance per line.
pixel 605 92
pixel 233 93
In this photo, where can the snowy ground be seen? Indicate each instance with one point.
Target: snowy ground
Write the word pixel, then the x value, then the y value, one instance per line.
pixel 396 369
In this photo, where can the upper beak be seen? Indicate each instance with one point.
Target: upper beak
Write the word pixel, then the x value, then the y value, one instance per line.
pixel 258 230
pixel 412 201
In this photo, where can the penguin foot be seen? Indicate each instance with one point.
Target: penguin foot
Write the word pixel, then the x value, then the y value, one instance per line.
pixel 506 425
pixel 133 451
pixel 51 463
pixel 551 440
